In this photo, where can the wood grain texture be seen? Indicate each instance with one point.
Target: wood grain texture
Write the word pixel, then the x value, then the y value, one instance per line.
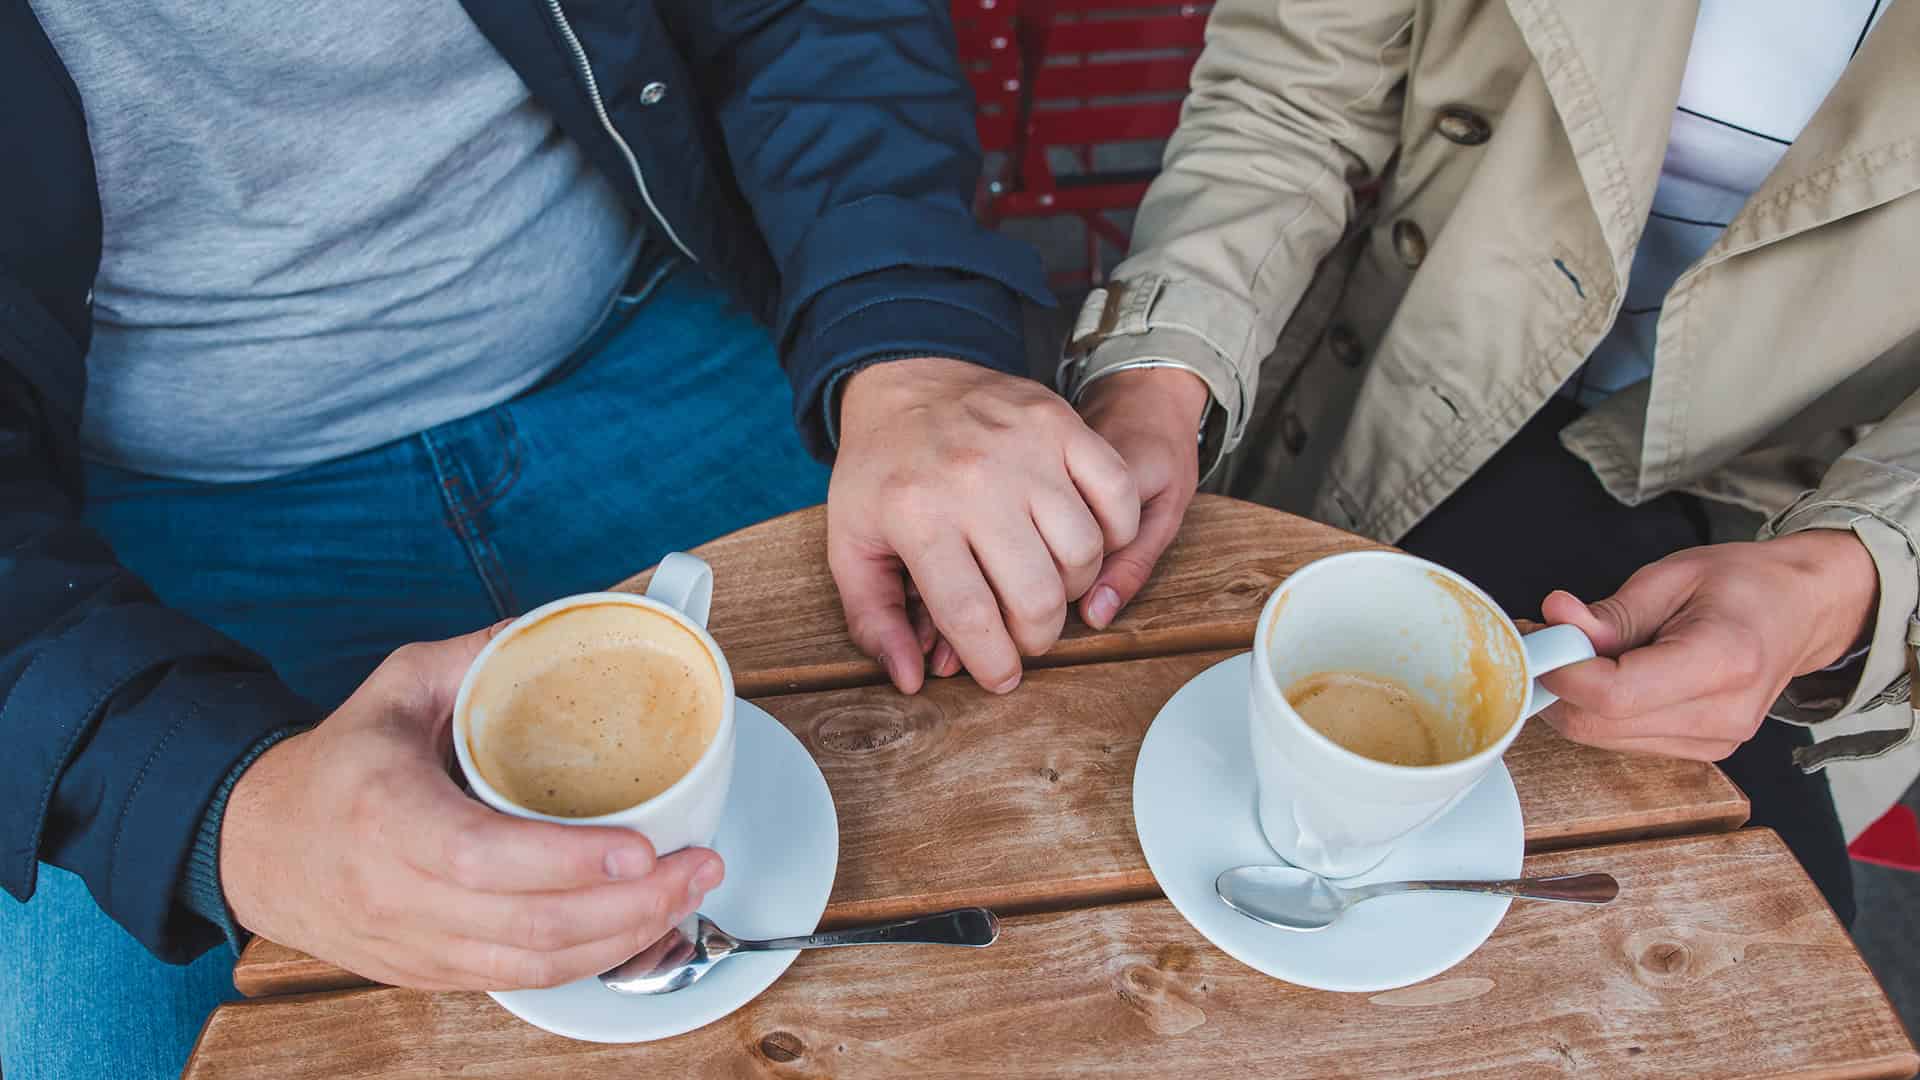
pixel 777 614
pixel 1718 960
pixel 1025 802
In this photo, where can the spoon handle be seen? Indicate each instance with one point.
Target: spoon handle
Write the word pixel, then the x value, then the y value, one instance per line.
pixel 973 927
pixel 1573 889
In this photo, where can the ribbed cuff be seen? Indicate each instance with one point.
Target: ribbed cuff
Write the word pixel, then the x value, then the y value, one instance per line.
pixel 199 887
pixel 830 398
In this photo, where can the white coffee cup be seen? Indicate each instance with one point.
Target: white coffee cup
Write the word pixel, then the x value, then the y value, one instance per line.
pixel 1337 813
pixel 686 814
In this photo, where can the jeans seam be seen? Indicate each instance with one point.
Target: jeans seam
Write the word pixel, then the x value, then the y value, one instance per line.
pixel 480 552
pixel 510 441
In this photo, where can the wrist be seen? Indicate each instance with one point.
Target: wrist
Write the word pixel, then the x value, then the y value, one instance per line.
pixel 244 828
pixel 1844 585
pixel 893 381
pixel 1173 396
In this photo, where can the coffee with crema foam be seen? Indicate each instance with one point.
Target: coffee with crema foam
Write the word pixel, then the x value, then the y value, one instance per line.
pixel 593 709
pixel 1377 717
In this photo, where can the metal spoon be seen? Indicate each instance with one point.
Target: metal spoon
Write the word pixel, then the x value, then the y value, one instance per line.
pixel 691 949
pixel 1295 899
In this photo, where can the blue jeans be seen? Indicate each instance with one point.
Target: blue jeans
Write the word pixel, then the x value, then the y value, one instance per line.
pixel 670 427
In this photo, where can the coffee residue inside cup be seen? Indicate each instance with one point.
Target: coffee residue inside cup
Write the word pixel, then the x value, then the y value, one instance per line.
pixel 1486 695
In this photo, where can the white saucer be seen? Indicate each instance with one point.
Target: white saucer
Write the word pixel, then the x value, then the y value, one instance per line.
pixel 781 842
pixel 1193 807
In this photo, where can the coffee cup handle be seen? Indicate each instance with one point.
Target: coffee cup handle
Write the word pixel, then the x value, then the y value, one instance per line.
pixel 1550 649
pixel 685 583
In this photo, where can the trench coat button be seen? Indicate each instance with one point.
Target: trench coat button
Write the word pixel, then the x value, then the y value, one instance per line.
pixel 1459 124
pixel 1293 433
pixel 652 93
pixel 1344 344
pixel 1409 243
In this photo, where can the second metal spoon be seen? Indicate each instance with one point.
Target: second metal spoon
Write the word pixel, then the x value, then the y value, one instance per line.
pixel 1295 899
pixel 691 949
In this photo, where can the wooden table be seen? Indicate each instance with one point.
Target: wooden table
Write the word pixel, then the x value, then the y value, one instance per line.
pixel 1719 958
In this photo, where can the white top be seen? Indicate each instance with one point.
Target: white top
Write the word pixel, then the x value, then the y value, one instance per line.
pixel 1756 73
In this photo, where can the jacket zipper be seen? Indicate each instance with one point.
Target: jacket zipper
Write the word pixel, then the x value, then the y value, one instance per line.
pixel 592 85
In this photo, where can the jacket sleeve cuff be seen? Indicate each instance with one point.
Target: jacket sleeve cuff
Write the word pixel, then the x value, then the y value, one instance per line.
pixel 200 888
pixel 893 314
pixel 1846 700
pixel 1153 321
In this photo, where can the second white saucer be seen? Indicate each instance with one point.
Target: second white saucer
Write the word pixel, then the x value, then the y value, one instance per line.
pixel 1193 808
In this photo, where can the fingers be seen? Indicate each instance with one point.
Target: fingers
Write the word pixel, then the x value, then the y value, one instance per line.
pixel 875 601
pixel 1126 571
pixel 945 663
pixel 1688 659
pixel 1700 732
pixel 923 626
pixel 451 838
pixel 1631 617
pixel 1074 537
pixel 1026 581
pixel 634 911
pixel 1106 485
pixel 419 682
pixel 965 611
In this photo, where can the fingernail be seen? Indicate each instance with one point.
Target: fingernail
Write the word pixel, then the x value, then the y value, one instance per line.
pixel 628 863
pixel 1103 607
pixel 942 658
pixel 706 878
pixel 1005 687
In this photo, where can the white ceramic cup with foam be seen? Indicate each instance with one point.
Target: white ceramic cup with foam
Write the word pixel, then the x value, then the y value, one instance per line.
pixel 1337 813
pixel 686 814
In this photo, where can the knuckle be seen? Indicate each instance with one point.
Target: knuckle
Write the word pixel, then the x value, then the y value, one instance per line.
pixel 403 661
pixel 464 856
pixel 535 970
pixel 534 927
pixel 656 912
pixel 1049 410
pixel 1620 615
pixel 1082 551
pixel 1130 568
pixel 972 616
pixel 1039 605
pixel 1614 699
pixel 1579 725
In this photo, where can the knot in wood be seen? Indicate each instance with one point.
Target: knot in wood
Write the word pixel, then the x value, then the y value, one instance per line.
pixel 1665 958
pixel 872 726
pixel 782 1047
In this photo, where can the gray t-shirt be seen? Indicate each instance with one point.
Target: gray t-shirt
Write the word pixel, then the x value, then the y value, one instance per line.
pixel 329 224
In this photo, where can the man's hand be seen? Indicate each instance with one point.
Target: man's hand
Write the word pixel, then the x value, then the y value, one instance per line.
pixel 1695 648
pixel 351 842
pixel 994 498
pixel 1152 417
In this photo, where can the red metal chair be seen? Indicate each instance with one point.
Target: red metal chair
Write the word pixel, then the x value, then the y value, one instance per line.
pixel 987 34
pixel 1893 841
pixel 1099 73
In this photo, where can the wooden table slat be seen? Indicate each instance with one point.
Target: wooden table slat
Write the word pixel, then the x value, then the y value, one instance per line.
pixel 777 614
pixel 1718 960
pixel 1025 802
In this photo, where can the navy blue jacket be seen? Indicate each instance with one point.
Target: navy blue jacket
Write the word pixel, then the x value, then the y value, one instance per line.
pixel 816 156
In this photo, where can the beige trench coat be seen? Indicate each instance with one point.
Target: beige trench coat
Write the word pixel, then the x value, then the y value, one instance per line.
pixel 1515 147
